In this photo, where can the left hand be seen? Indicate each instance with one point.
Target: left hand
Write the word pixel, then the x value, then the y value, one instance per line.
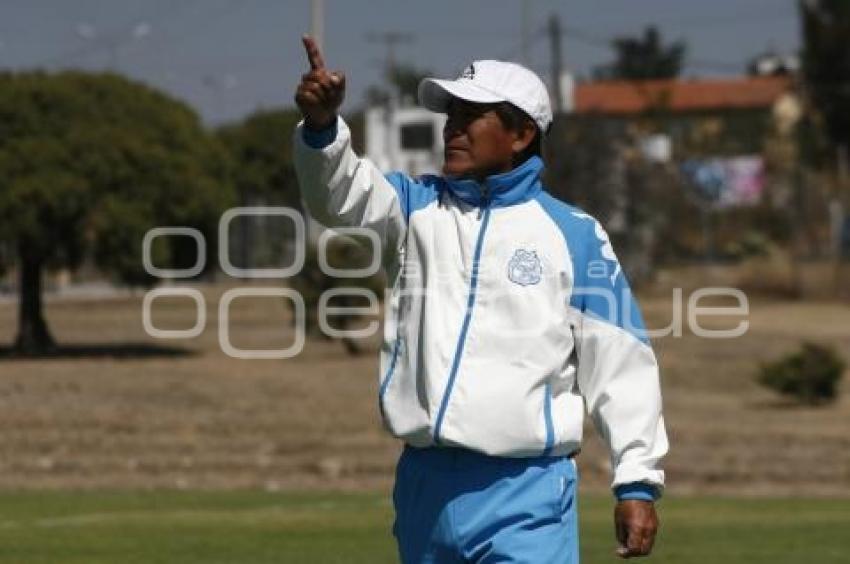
pixel 635 523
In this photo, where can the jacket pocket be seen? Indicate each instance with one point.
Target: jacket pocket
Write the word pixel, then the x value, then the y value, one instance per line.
pixel 564 482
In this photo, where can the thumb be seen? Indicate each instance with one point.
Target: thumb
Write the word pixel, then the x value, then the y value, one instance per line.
pixel 337 78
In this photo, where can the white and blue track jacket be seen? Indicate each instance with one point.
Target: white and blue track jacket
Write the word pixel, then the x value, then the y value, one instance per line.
pixel 508 313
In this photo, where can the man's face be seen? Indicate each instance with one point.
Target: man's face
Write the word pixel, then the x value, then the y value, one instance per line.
pixel 477 144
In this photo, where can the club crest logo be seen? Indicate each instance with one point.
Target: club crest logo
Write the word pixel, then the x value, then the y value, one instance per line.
pixel 468 72
pixel 524 268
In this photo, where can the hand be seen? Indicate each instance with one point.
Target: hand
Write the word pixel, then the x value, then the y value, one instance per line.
pixel 321 92
pixel 635 523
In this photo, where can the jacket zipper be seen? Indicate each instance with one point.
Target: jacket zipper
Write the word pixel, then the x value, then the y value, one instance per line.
pixel 473 285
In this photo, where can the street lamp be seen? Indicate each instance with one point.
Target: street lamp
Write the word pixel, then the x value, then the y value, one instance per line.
pixel 114 40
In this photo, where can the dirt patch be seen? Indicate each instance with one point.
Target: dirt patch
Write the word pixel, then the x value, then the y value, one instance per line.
pixel 206 420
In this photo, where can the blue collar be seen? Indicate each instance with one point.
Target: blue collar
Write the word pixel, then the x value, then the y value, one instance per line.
pixel 513 187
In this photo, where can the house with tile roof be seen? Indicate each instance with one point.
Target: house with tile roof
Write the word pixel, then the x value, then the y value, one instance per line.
pixel 665 152
pixel 718 116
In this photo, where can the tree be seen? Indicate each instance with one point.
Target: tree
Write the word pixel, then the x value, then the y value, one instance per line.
pixel 311 282
pixel 264 174
pixel 642 58
pixel 88 164
pixel 826 63
pixel 261 149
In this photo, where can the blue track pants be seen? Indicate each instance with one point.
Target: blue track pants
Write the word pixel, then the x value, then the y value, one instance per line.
pixel 455 505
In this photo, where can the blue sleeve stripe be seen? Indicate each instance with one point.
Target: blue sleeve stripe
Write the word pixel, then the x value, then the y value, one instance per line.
pixel 600 288
pixel 413 195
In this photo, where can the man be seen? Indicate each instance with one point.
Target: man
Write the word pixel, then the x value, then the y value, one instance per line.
pixel 508 312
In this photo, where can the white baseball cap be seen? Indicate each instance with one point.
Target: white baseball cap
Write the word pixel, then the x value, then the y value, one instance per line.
pixel 489 82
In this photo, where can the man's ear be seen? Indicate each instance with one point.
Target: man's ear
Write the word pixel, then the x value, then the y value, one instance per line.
pixel 524 136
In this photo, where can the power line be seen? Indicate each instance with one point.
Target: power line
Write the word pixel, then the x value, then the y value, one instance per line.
pixel 227 10
pixel 538 35
pixel 715 65
pixel 390 40
pixel 158 21
pixel 587 38
pixel 741 17
pixel 609 43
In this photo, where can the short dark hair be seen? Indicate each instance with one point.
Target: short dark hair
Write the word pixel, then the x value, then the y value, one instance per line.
pixel 513 118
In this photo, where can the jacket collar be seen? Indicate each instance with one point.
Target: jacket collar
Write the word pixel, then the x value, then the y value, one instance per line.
pixel 513 187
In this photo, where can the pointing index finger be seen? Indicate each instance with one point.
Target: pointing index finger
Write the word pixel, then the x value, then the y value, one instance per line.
pixel 314 56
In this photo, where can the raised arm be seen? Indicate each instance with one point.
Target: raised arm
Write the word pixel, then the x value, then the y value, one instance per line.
pixel 338 187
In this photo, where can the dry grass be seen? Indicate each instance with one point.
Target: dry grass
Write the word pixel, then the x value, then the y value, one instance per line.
pixel 205 420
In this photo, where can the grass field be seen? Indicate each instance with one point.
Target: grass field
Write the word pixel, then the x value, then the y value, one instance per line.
pixel 260 527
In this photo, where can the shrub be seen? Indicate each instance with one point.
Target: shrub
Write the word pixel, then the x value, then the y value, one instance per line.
pixel 809 375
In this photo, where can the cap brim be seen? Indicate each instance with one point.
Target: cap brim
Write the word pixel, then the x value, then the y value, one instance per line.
pixel 435 94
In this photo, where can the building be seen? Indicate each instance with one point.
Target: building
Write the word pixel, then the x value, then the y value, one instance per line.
pixel 674 155
pixel 702 117
pixel 406 138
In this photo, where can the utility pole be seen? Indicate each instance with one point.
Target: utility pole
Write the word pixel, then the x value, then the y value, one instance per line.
pixel 838 209
pixel 312 228
pixel 317 21
pixel 390 40
pixel 525 32
pixel 557 63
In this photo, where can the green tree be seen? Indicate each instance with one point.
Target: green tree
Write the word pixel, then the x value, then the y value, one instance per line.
pixel 88 164
pixel 264 175
pixel 311 282
pixel 261 147
pixel 644 57
pixel 826 62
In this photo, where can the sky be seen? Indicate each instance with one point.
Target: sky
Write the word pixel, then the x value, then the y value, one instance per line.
pixel 228 58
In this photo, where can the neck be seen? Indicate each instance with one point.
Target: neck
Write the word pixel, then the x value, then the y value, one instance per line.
pixel 513 186
pixel 481 175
